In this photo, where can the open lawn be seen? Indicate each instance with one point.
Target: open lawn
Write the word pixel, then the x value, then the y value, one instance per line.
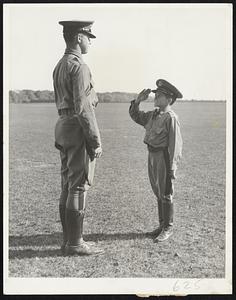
pixel 121 206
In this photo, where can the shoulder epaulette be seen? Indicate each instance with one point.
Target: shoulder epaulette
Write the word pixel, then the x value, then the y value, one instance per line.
pixel 172 114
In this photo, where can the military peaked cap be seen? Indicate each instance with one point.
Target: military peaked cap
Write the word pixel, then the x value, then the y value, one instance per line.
pixel 168 89
pixel 72 27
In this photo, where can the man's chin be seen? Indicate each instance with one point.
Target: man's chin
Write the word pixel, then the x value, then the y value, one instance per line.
pixel 84 52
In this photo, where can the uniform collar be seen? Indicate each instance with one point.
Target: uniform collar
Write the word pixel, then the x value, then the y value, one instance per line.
pixel 157 112
pixel 73 52
pixel 166 111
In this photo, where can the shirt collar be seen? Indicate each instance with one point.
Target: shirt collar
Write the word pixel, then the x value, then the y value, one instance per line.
pixel 73 52
pixel 167 110
pixel 158 112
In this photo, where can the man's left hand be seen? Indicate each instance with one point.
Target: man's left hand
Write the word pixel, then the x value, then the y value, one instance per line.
pixel 98 152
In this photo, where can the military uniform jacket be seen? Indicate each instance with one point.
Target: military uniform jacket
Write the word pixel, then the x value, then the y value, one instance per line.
pixel 73 87
pixel 162 130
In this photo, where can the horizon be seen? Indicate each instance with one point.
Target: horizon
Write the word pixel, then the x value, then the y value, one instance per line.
pixel 122 92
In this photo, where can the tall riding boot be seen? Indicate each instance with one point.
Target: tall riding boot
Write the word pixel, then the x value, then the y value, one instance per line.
pixel 62 212
pixel 168 212
pixel 158 230
pixel 167 230
pixel 74 222
pixel 75 210
pixel 76 245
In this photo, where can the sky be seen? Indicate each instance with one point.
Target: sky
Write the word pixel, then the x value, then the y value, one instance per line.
pixel 190 45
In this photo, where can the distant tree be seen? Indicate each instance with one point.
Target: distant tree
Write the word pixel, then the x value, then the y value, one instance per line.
pixel 27 96
pixel 100 97
pixel 107 98
pixel 13 97
pixel 23 96
pixel 44 96
pixel 31 95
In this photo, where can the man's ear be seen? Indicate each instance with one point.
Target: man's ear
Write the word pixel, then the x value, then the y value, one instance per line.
pixel 79 38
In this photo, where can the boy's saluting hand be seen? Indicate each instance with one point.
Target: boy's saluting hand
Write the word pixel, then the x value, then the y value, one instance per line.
pixel 143 95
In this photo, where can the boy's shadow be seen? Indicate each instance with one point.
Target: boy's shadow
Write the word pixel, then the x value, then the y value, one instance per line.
pixel 55 239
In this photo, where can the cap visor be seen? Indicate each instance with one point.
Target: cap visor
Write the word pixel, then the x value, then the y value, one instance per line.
pixel 90 35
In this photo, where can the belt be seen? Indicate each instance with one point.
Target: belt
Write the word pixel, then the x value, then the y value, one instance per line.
pixel 66 112
pixel 156 149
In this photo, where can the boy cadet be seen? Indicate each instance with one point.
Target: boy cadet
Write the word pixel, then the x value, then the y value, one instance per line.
pixel 164 142
pixel 76 134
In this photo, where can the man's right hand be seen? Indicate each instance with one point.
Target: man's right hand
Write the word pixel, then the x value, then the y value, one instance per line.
pixel 143 95
pixel 173 174
pixel 98 152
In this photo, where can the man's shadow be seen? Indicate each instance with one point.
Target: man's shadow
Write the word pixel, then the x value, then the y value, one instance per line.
pixel 45 240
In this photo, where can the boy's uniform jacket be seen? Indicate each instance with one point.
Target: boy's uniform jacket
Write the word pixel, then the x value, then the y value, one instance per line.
pixel 162 131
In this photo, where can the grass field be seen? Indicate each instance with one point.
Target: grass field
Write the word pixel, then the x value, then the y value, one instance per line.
pixel 121 206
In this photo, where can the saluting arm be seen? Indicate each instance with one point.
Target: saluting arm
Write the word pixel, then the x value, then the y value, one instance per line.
pixel 136 114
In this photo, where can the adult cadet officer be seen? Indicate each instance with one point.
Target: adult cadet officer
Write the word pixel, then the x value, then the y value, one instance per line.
pixel 76 134
pixel 164 143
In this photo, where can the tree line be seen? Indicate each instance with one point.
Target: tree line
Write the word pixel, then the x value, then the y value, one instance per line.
pixel 45 96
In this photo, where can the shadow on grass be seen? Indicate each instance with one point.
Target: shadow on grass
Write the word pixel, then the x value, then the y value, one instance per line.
pixel 30 253
pixel 56 238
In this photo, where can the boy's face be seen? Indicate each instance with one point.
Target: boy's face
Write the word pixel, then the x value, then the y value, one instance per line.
pixel 161 100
